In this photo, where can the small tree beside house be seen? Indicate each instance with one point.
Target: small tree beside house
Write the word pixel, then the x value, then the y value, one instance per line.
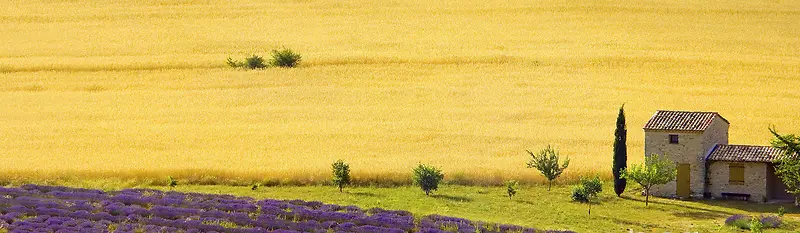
pixel 654 171
pixel 546 161
pixel 788 168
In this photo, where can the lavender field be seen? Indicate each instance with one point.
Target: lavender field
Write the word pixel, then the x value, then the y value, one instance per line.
pixel 34 208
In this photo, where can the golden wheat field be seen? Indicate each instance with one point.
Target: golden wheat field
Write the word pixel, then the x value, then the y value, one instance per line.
pixel 139 90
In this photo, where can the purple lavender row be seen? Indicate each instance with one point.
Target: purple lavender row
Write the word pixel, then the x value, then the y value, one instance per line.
pixel 34 208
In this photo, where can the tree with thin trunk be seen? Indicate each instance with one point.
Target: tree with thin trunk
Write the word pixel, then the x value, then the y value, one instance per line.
pixel 546 161
pixel 341 174
pixel 587 190
pixel 788 167
pixel 654 171
pixel 620 152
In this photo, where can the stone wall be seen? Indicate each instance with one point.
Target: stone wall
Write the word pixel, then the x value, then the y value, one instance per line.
pixel 692 148
pixel 688 150
pixel 755 176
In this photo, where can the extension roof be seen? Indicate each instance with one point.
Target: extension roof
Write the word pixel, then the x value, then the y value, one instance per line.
pixel 745 153
pixel 681 120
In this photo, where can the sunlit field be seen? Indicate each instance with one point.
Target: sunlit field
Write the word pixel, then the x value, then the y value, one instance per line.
pixel 139 90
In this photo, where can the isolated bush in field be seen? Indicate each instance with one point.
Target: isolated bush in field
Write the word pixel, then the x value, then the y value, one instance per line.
pixel 654 171
pixel 285 58
pixel 341 174
pixel 427 178
pixel 546 161
pixel 255 62
pixel 172 182
pixel 781 211
pixel 254 187
pixel 511 188
pixel 252 62
pixel 234 63
pixel 587 190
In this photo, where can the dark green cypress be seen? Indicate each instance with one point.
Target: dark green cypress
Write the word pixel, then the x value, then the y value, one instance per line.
pixel 620 152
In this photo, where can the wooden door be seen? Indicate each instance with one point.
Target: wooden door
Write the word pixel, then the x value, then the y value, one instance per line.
pixel 683 181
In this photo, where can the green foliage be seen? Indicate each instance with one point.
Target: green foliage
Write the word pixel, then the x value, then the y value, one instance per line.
pixel 788 168
pixel 341 174
pixel 252 62
pixel 172 182
pixel 781 211
pixel 587 190
pixel 546 161
pixel 233 63
pixel 255 62
pixel 285 58
pixel 427 178
pixel 512 186
pixel 756 226
pixel 254 187
pixel 654 171
pixel 620 152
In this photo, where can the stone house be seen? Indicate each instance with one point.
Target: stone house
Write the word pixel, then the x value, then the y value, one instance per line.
pixel 707 165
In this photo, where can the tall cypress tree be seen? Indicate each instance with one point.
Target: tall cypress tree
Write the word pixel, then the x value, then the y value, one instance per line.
pixel 620 152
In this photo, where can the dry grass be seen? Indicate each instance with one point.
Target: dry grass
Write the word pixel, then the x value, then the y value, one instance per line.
pixel 139 90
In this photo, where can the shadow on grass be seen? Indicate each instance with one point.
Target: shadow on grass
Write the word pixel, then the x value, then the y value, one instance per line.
pixel 632 223
pixel 692 212
pixel 452 198
pixel 363 194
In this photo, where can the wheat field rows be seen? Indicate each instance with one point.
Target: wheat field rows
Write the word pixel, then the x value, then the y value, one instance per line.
pixel 138 90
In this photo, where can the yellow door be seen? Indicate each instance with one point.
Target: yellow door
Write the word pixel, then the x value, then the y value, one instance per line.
pixel 683 181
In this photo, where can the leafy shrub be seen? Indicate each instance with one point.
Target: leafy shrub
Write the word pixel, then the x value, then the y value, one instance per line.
pixel 172 182
pixel 234 63
pixel 252 62
pixel 254 187
pixel 341 174
pixel 511 188
pixel 285 58
pixel 255 62
pixel 427 178
pixel 781 211
pixel 579 194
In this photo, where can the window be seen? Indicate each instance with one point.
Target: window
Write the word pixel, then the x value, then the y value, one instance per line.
pixel 736 173
pixel 673 139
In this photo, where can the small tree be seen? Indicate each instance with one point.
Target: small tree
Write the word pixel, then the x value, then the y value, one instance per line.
pixel 620 152
pixel 511 188
pixel 427 178
pixel 587 190
pixel 172 182
pixel 546 161
pixel 341 174
pixel 654 171
pixel 788 168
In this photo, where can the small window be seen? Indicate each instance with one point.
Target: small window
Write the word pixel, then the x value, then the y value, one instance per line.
pixel 736 173
pixel 673 139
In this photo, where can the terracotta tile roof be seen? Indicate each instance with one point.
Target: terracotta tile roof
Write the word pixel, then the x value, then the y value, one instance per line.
pixel 745 153
pixel 681 120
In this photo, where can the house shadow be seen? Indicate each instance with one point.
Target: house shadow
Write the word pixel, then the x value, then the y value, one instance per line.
pixel 451 198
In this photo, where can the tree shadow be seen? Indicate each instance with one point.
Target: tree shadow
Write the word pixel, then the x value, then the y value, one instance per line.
pixel 524 202
pixel 688 211
pixel 632 223
pixel 364 194
pixel 452 198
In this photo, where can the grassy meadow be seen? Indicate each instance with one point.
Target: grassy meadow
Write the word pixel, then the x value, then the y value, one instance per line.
pixel 534 206
pixel 138 90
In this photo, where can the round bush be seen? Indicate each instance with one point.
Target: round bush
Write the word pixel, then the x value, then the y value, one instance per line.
pixel 285 58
